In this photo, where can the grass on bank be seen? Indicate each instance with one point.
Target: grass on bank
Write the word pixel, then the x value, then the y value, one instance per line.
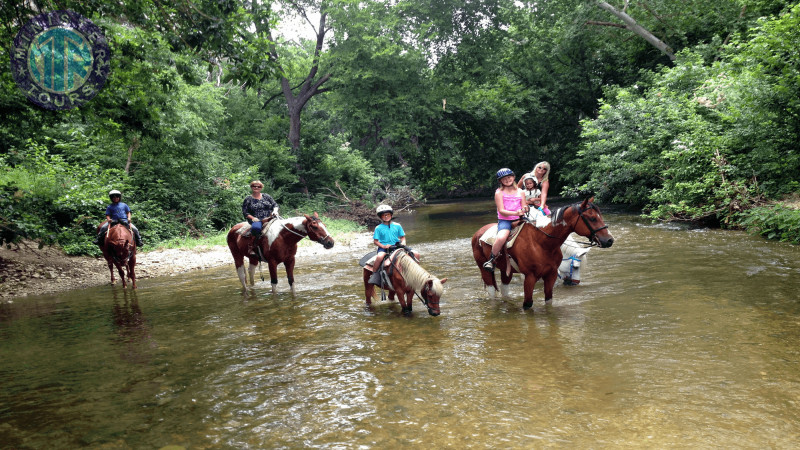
pixel 343 231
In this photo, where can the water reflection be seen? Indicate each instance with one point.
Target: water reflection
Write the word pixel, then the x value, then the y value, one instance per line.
pixel 675 337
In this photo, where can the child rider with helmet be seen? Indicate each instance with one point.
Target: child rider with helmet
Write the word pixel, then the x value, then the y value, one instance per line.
pixel 510 203
pixel 387 234
pixel 118 211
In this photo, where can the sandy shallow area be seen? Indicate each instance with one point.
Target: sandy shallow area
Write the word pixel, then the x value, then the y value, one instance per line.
pixel 27 270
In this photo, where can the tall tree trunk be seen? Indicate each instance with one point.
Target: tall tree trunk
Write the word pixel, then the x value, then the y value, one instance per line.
pixel 311 86
pixel 632 25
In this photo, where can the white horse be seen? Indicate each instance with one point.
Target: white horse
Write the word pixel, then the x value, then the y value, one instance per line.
pixel 574 257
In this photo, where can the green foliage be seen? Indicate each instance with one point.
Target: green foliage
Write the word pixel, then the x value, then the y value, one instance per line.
pixel 43 197
pixel 773 222
pixel 702 141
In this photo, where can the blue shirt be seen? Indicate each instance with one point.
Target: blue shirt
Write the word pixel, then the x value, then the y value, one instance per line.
pixel 388 234
pixel 118 211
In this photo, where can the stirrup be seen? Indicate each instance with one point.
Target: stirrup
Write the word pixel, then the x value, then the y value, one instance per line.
pixel 489 265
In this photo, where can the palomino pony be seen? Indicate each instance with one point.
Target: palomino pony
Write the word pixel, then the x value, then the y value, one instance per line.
pixel 278 245
pixel 407 277
pixel 536 252
pixel 120 251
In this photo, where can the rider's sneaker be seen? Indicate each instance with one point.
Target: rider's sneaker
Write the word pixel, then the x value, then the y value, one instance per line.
pixel 489 266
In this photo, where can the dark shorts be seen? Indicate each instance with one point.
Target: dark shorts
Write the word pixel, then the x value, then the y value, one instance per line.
pixel 382 250
pixel 503 224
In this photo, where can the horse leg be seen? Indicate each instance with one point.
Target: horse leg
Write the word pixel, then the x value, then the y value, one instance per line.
pixel 549 282
pixel 407 305
pixel 241 272
pixel 289 266
pixel 505 281
pixel 131 272
pixel 121 274
pixel 111 269
pixel 530 282
pixel 273 275
pixel 369 288
pixel 251 270
pixel 481 255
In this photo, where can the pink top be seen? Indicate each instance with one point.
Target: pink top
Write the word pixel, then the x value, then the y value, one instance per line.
pixel 510 203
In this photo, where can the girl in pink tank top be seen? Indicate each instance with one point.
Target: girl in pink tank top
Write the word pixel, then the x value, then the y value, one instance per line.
pixel 510 202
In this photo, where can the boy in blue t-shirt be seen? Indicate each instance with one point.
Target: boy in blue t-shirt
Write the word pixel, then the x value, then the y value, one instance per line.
pixel 118 211
pixel 387 234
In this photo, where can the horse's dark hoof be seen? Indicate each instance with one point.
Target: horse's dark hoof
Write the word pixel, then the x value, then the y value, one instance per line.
pixel 406 312
pixel 527 305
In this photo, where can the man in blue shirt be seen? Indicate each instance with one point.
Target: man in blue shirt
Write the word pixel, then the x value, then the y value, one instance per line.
pixel 118 211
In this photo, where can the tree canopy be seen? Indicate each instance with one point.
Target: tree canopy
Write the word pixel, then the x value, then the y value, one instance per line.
pixel 688 109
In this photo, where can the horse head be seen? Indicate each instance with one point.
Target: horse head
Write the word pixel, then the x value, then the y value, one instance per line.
pixel 317 231
pixel 591 224
pixel 430 293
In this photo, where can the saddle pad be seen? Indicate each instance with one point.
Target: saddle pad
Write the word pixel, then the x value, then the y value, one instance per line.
pixel 369 259
pixel 245 229
pixel 490 235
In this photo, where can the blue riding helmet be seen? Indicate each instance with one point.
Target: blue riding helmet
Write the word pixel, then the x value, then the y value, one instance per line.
pixel 504 172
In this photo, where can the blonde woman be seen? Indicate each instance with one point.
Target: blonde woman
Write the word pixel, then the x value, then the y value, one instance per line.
pixel 540 178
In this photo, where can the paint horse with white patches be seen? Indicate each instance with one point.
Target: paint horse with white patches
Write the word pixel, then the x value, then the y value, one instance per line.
pixel 278 245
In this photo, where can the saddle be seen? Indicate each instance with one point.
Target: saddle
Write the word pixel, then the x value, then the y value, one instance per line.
pixel 381 276
pixel 491 234
pixel 244 230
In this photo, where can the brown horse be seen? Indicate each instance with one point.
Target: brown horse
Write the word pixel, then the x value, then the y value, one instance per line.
pixel 407 277
pixel 278 245
pixel 536 253
pixel 120 251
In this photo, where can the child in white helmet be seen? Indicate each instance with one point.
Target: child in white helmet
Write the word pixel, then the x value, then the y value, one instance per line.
pixel 118 211
pixel 387 234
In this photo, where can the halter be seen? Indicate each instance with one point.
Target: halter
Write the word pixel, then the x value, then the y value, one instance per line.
pixel 320 240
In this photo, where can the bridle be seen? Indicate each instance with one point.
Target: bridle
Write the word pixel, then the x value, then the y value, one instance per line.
pixel 423 298
pixel 320 240
pixel 593 240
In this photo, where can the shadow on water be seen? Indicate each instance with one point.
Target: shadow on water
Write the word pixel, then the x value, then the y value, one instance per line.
pixel 676 337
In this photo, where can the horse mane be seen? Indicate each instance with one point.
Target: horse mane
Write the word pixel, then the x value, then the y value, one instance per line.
pixel 416 276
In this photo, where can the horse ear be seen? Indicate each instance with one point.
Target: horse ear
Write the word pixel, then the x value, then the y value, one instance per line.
pixel 443 280
pixel 316 216
pixel 586 202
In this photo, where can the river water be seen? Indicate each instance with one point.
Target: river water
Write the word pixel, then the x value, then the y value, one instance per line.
pixel 676 338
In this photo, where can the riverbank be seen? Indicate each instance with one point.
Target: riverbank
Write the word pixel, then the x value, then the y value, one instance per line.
pixel 27 270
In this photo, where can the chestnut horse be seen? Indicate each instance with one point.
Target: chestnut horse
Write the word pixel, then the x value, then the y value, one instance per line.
pixel 119 250
pixel 536 253
pixel 278 245
pixel 407 277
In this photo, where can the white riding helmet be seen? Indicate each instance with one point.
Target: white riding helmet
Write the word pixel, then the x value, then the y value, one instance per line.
pixel 114 192
pixel 382 209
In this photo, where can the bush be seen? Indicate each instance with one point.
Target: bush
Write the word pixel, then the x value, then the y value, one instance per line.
pixel 773 222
